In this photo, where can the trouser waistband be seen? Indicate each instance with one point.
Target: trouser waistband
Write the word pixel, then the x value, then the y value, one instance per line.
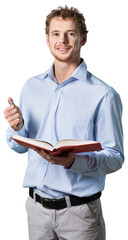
pixel 61 202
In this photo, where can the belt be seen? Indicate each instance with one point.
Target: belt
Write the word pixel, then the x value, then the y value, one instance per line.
pixel 61 202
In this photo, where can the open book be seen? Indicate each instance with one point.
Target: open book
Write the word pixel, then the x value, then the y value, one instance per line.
pixel 61 146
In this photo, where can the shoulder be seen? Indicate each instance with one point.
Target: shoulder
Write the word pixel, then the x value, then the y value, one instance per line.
pixel 35 80
pixel 40 76
pixel 101 87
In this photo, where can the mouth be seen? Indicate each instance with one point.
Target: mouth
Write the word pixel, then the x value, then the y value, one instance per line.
pixel 63 49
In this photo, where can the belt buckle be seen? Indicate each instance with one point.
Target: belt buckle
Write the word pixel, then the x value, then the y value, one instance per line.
pixel 47 203
pixel 50 204
pixel 54 204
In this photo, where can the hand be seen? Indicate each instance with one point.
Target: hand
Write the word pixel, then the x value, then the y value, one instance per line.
pixel 65 160
pixel 13 116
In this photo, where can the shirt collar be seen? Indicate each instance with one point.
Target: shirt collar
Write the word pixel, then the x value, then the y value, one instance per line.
pixel 80 73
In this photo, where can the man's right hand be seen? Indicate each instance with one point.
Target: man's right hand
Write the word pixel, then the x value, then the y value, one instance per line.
pixel 13 116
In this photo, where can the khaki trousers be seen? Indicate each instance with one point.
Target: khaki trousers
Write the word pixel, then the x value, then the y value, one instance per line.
pixel 84 222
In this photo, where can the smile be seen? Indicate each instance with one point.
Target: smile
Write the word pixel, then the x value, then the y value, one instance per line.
pixel 63 49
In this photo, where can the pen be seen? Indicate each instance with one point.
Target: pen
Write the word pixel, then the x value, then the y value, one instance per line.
pixel 12 103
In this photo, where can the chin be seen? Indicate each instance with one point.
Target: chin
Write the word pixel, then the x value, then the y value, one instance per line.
pixel 63 59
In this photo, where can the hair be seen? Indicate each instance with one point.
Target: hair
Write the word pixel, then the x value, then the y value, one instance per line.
pixel 67 13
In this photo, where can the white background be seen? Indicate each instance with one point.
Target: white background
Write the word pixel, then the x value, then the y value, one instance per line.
pixel 23 54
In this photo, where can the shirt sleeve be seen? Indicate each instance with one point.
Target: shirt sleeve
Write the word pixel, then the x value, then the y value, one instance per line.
pixel 12 144
pixel 108 131
pixel 22 132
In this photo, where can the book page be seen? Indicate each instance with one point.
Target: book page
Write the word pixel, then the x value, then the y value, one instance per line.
pixel 70 142
pixel 34 142
pixel 43 144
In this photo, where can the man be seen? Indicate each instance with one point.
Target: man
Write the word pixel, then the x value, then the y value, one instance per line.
pixel 67 101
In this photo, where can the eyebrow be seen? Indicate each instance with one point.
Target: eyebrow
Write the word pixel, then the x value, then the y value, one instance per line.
pixel 72 30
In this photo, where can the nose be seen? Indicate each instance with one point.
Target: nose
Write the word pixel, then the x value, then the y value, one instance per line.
pixel 63 38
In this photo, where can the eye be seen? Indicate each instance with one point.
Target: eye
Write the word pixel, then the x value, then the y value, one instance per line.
pixel 71 34
pixel 55 34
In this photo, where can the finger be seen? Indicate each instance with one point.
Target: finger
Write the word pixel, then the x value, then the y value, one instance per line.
pixel 11 110
pixel 36 150
pixel 13 117
pixel 46 155
pixel 64 155
pixel 71 152
pixel 15 123
pixel 66 160
pixel 43 153
pixel 8 109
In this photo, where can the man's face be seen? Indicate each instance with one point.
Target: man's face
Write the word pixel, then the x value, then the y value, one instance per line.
pixel 64 39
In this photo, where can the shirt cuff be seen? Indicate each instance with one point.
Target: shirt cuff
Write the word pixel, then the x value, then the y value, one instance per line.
pixel 12 132
pixel 12 144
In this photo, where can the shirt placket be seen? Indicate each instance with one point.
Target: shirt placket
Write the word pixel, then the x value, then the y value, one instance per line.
pixel 52 123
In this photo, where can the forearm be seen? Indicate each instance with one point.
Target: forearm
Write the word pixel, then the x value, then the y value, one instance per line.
pixel 108 131
pixel 12 144
pixel 98 164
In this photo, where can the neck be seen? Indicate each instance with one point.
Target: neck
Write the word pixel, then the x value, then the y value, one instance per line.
pixel 63 70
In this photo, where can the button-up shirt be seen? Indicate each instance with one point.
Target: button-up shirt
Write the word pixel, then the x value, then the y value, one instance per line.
pixel 81 107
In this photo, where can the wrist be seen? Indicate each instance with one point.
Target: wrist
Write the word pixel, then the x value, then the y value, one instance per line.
pixel 19 126
pixel 71 163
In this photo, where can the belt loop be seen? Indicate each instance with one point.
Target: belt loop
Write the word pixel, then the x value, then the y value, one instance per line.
pixel 67 198
pixel 34 196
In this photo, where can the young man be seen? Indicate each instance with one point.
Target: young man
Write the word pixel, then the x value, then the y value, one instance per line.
pixel 67 101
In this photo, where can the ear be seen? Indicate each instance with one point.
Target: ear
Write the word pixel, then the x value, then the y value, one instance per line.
pixel 47 39
pixel 83 39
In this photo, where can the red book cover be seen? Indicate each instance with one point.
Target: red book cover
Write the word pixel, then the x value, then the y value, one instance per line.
pixel 61 146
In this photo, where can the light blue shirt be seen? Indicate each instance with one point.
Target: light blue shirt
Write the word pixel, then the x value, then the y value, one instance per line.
pixel 81 107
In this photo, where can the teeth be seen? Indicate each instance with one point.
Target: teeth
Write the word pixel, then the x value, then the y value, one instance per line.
pixel 63 49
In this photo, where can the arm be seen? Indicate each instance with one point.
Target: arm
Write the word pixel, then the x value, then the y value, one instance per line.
pixel 14 117
pixel 108 131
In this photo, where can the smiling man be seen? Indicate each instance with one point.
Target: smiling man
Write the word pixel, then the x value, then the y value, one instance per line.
pixel 65 102
pixel 65 40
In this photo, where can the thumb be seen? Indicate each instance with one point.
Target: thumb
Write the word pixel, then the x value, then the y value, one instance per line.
pixel 10 101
